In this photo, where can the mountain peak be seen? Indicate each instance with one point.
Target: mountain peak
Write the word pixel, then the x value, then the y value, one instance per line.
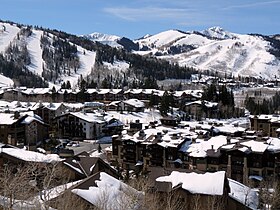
pixel 95 36
pixel 218 33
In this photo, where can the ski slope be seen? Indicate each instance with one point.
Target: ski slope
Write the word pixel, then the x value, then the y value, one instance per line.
pixel 35 51
pixel 7 36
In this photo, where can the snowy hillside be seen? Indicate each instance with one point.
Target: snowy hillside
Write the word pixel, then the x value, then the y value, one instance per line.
pixel 7 34
pixel 36 57
pixel 5 81
pixel 244 55
pixel 215 49
pixel 16 36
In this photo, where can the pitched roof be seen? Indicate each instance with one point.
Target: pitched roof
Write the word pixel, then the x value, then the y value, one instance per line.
pixel 116 193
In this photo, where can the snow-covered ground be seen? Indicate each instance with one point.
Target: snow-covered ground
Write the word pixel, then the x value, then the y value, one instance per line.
pixel 35 52
pixel 245 55
pixel 5 81
pixel 117 66
pixel 87 61
pixel 7 36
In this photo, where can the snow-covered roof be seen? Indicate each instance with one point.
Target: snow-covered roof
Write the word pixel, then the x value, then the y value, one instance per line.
pixel 230 129
pixel 89 117
pixel 31 156
pixel 199 149
pixel 256 146
pixel 204 103
pixel 31 91
pixel 110 193
pixel 93 104
pixel 50 106
pixel 30 119
pixel 144 117
pixel 114 103
pixel 7 119
pixel 135 102
pixel 243 194
pixel 273 145
pixel 104 91
pixel 213 183
pixel 268 117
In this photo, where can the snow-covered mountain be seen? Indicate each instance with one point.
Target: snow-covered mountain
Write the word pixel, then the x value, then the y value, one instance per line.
pixel 218 33
pixel 111 40
pixel 217 50
pixel 51 57
pixel 15 35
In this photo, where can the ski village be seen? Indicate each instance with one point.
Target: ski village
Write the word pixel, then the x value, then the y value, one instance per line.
pixel 177 120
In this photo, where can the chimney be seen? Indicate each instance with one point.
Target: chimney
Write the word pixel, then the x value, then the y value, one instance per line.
pixel 228 139
pixel 212 147
pixel 16 115
pixel 158 136
pixel 141 133
pixel 193 141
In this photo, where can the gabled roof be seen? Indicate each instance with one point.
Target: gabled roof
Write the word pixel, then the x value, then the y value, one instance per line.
pixel 117 193
pixel 82 165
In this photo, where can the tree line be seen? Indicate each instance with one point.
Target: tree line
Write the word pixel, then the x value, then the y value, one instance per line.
pixel 264 106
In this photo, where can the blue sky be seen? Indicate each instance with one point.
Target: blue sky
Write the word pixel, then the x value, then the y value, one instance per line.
pixel 136 18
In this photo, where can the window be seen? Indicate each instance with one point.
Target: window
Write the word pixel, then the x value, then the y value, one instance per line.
pixel 255 173
pixel 256 164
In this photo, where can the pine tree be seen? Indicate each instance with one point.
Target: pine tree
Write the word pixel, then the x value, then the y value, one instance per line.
pixel 68 85
pixel 165 103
